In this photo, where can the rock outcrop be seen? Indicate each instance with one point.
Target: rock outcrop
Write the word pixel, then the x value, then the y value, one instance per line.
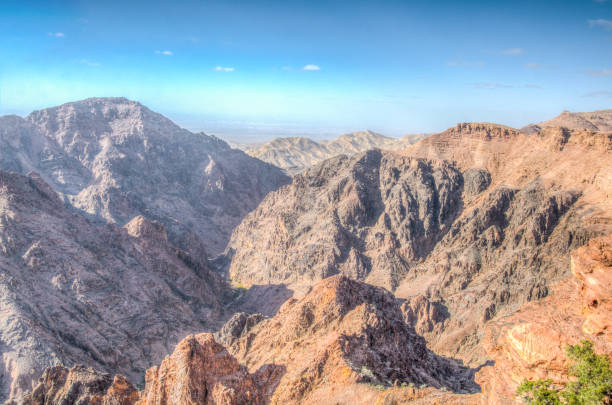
pixel 201 371
pixel 76 292
pixel 114 159
pixel 344 342
pixel 79 385
pixel 296 154
pixel 530 344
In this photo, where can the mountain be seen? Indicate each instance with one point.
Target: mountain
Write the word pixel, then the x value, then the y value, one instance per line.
pixel 77 292
pixel 297 154
pixel 466 225
pixel 600 121
pixel 113 159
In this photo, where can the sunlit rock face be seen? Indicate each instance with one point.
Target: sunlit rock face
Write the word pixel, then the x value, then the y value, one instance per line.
pixel 531 343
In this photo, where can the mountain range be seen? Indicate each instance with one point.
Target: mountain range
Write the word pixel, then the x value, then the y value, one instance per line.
pixel 384 275
pixel 296 154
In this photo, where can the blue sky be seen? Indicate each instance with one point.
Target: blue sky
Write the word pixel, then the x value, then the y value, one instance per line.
pixel 258 69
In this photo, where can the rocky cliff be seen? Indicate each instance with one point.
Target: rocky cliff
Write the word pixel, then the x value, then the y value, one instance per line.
pixel 76 292
pixel 530 344
pixel 114 159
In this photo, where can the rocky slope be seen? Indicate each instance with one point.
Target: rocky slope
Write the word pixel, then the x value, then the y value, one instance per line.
pixel 600 121
pixel 530 344
pixel 466 225
pixel 113 158
pixel 344 342
pixel 72 291
pixel 297 154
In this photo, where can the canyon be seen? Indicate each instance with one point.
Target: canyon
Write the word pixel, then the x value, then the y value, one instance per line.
pixel 143 263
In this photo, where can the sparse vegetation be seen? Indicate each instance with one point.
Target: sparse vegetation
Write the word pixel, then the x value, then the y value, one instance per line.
pixel 591 381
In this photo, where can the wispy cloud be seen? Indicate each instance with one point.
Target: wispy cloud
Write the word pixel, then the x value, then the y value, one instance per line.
pixel 532 86
pixel 463 63
pixel 89 62
pixel 56 34
pixel 311 67
pixel 601 23
pixel 603 72
pixel 533 65
pixel 600 93
pixel 513 51
pixel 223 69
pixel 287 68
pixel 491 85
pixel 165 53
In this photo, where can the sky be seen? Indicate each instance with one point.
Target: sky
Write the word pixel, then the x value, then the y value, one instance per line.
pixel 254 70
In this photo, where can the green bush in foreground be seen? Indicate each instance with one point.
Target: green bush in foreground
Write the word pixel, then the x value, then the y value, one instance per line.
pixel 592 382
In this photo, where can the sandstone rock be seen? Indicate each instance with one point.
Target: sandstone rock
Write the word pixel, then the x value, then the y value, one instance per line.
pixel 200 371
pixel 530 344
pixel 74 292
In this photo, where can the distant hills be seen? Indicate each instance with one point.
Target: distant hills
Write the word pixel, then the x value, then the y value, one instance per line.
pixel 600 121
pixel 295 154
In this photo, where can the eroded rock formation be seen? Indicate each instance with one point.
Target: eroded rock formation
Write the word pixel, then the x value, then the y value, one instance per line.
pixel 530 344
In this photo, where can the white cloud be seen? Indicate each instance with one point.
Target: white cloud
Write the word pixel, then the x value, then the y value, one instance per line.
pixel 533 65
pixel 491 85
pixel 165 53
pixel 603 72
pixel 605 24
pixel 223 69
pixel 311 67
pixel 56 34
pixel 89 62
pixel 463 63
pixel 513 51
pixel 533 86
pixel 287 68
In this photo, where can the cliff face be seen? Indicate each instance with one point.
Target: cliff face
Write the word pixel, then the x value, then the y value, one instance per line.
pixel 114 159
pixel 73 292
pixel 366 217
pixel 467 224
pixel 530 344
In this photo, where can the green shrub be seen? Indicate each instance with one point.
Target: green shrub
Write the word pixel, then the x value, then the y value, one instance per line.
pixel 592 382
